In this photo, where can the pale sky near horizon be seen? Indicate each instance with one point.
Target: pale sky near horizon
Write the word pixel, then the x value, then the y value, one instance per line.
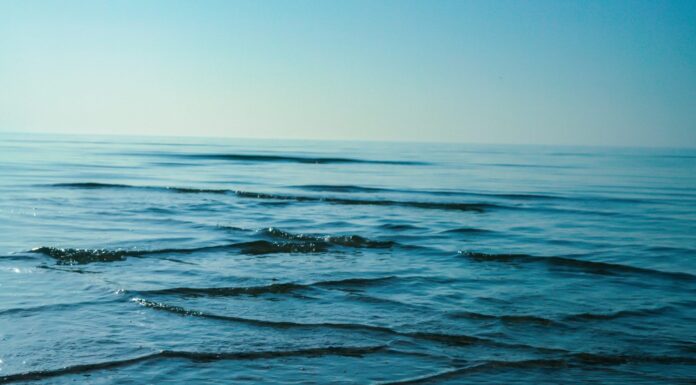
pixel 546 72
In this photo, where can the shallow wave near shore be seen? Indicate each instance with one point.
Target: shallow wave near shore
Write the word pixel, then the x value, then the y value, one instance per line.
pixel 259 262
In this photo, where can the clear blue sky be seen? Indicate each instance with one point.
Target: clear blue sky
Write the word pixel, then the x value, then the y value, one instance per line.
pixel 564 72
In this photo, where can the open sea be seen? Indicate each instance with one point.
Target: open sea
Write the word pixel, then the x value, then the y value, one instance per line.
pixel 218 261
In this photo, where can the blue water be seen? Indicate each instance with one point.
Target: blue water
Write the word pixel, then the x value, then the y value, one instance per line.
pixel 181 261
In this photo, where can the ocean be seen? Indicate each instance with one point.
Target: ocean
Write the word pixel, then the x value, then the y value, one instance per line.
pixel 143 260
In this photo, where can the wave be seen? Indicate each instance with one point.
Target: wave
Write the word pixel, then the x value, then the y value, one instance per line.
pixel 69 270
pixel 285 243
pixel 454 373
pixel 340 240
pixel 364 189
pixel 346 351
pixel 275 288
pixel 265 247
pixel 399 227
pixel 83 256
pixel 617 314
pixel 456 206
pixel 591 360
pixel 340 188
pixel 91 185
pixel 532 319
pixel 449 339
pixel 287 159
pixel 52 307
pixel 467 230
pixel 605 359
pixel 73 256
pixel 96 185
pixel 476 207
pixel 529 319
pixel 603 268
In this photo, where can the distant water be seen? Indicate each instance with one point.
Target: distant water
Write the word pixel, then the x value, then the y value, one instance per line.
pixel 185 261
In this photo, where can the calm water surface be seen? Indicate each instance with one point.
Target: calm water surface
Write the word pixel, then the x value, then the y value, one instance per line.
pixel 181 261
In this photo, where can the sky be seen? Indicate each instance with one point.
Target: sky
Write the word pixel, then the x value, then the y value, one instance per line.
pixel 540 72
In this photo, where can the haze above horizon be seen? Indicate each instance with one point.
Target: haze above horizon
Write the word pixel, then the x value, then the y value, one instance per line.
pixel 579 73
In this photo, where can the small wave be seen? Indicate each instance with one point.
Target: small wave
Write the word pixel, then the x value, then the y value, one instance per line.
pixel 288 159
pixel 617 314
pixel 275 288
pixel 95 185
pixel 449 339
pixel 69 270
pixel 265 247
pixel 358 282
pixel 528 319
pixel 72 256
pixel 522 165
pixel 454 206
pixel 340 240
pixel 457 372
pixel 345 351
pixel 91 185
pixel 83 256
pixel 399 227
pixel 340 188
pixel 467 230
pixel 364 189
pixel 476 207
pixel 556 363
pixel 606 359
pixel 40 309
pixel 604 268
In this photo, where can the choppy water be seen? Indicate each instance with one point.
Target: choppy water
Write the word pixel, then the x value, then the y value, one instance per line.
pixel 131 260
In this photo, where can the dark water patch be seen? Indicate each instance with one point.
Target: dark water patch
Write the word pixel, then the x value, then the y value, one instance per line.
pixel 257 158
pixel 603 268
pixel 195 357
pixel 340 240
pixel 512 319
